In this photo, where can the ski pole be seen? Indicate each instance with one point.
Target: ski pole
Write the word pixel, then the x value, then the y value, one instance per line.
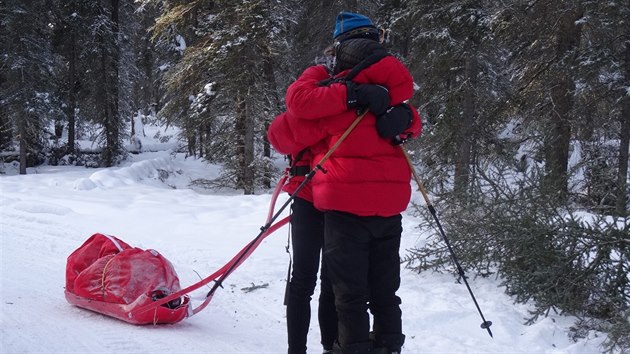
pixel 486 324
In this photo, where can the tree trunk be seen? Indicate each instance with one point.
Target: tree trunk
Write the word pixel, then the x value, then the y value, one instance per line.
pixel 245 146
pixel 270 77
pixel 110 62
pixel 202 141
pixel 562 90
pixel 72 98
pixel 466 130
pixel 557 151
pixel 23 142
pixel 624 144
pixel 5 122
pixel 248 152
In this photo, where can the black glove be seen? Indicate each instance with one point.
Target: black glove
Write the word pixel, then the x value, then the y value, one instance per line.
pixel 373 97
pixel 394 121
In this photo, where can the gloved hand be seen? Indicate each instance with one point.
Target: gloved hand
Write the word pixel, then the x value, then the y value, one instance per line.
pixel 394 121
pixel 373 97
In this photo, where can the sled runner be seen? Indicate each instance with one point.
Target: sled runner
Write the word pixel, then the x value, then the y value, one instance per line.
pixel 108 276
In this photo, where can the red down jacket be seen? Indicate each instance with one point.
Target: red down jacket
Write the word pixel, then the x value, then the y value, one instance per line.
pixel 366 175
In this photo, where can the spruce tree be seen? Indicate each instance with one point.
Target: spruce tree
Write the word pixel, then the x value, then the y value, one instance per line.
pixel 28 90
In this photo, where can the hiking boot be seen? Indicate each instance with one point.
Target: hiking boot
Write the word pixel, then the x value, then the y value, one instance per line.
pixel 380 350
pixel 388 343
pixel 383 350
pixel 356 348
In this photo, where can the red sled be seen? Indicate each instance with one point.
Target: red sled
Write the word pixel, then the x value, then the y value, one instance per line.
pixel 108 276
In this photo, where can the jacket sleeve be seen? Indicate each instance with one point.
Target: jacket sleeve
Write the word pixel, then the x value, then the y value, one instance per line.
pixel 289 134
pixel 308 99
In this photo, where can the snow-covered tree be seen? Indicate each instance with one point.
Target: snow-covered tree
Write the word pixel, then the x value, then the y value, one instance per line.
pixel 223 91
pixel 29 69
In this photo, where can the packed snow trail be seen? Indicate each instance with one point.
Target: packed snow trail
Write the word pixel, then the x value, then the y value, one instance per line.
pixel 47 214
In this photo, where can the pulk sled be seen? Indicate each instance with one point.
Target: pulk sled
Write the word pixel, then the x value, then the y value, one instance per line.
pixel 102 274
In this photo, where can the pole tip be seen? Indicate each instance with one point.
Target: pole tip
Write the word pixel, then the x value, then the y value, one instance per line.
pixel 486 325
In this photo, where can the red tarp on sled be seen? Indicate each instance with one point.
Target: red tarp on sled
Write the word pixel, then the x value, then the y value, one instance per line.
pixel 108 276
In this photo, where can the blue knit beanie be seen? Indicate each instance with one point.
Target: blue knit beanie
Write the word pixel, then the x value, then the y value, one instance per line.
pixel 348 21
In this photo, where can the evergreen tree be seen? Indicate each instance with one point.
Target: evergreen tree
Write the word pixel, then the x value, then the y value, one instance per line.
pixel 602 106
pixel 228 68
pixel 525 104
pixel 149 59
pixel 73 42
pixel 28 91
pixel 455 60
pixel 94 38
pixel 522 219
pixel 545 40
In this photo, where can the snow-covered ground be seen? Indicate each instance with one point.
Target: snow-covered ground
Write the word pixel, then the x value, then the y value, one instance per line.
pixel 47 214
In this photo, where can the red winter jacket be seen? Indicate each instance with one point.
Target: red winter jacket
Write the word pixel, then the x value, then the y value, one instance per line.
pixel 366 175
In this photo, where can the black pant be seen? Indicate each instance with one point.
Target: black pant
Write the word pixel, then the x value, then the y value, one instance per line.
pixel 362 256
pixel 307 235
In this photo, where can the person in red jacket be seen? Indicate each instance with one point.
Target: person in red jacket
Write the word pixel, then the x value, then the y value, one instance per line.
pixel 365 184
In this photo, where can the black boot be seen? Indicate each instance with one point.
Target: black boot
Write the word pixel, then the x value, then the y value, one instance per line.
pixel 356 348
pixel 389 343
pixel 380 350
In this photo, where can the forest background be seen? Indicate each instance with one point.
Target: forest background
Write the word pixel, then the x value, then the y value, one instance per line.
pixel 525 106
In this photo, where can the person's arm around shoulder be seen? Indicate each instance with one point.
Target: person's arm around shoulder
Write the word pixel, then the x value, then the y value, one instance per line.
pixel 310 98
pixel 289 134
pixel 393 74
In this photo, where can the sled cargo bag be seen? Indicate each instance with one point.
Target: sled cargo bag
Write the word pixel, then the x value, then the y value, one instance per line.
pixel 108 276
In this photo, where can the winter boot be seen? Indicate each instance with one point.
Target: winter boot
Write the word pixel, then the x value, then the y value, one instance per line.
pixel 389 343
pixel 356 348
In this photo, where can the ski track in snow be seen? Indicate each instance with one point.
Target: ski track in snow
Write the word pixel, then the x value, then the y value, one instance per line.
pixel 41 224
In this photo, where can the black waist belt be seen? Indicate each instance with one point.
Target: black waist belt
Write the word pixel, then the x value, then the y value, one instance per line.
pixel 299 170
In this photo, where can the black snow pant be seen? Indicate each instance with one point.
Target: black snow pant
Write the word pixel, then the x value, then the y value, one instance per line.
pixel 362 256
pixel 307 235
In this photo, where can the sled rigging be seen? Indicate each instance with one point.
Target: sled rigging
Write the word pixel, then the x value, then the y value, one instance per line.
pixel 108 276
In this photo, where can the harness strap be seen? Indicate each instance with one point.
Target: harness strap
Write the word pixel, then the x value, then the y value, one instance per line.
pixel 299 170
pixel 363 64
